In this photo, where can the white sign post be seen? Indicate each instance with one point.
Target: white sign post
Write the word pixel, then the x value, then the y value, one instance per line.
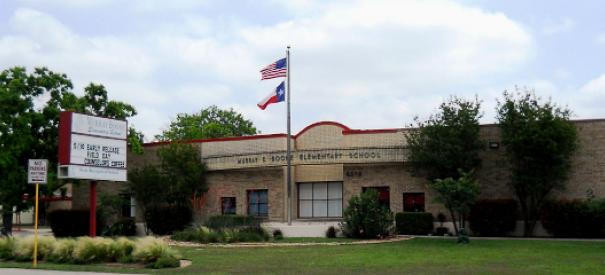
pixel 37 172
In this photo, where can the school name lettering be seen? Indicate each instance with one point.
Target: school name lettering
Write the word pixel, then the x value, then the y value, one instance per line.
pixel 313 156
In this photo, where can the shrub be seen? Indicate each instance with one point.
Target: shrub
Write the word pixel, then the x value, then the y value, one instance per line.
pixel 167 219
pixel 414 223
pixel 165 262
pixel 331 232
pixel 24 248
pixel 365 217
pixel 253 234
pixel 574 219
pixel 63 251
pixel 494 217
pixel 123 227
pixel 189 235
pixel 71 223
pixel 84 250
pixel 231 221
pixel 148 250
pixel 229 235
pixel 7 246
pixel 121 250
pixel 278 235
pixel 89 250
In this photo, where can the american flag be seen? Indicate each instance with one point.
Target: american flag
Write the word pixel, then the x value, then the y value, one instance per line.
pixel 274 70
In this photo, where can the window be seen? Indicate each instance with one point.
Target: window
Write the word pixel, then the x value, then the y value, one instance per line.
pixel 258 203
pixel 384 197
pixel 128 205
pixel 413 202
pixel 228 205
pixel 320 200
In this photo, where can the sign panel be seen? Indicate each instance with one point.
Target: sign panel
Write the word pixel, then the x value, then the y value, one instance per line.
pixel 98 126
pixel 91 172
pixel 37 171
pixel 95 151
pixel 305 157
pixel 92 148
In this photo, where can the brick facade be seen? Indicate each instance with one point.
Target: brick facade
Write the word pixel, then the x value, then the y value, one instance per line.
pixel 358 158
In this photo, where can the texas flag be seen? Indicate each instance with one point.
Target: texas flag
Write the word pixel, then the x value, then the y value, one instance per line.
pixel 276 96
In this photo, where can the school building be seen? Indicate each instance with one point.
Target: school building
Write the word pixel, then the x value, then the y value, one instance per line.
pixel 331 163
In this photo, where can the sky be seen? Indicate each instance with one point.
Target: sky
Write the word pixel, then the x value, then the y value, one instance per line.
pixel 366 64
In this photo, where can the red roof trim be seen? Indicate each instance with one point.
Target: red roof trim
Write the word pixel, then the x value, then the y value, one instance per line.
pixel 331 123
pixel 345 131
pixel 371 131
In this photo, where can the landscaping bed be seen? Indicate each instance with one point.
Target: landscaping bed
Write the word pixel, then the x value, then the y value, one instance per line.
pixel 148 252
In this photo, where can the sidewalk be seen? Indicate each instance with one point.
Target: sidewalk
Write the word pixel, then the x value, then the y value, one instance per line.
pixel 509 238
pixel 29 230
pixel 20 271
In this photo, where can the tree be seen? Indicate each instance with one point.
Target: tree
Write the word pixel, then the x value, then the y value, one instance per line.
pixel 170 186
pixel 458 196
pixel 28 131
pixel 445 150
pixel 210 122
pixel 448 142
pixel 365 217
pixel 539 141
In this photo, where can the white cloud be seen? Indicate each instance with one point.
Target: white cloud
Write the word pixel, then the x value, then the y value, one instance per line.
pixel 561 26
pixel 368 64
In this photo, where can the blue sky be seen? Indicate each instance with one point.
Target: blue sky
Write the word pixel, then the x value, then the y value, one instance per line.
pixel 367 64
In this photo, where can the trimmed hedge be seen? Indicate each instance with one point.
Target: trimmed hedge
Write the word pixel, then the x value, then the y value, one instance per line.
pixel 231 221
pixel 71 223
pixel 574 218
pixel 414 223
pixel 228 235
pixel 493 217
pixel 164 220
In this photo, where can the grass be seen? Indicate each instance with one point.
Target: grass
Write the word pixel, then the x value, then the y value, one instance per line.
pixel 314 240
pixel 417 256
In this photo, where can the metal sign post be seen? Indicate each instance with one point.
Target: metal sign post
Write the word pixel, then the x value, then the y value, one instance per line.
pixel 37 172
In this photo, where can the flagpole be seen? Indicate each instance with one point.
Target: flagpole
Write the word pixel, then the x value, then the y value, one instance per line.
pixel 288 150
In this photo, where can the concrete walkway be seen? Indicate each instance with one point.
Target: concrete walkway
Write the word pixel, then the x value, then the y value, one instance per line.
pixel 21 271
pixel 510 238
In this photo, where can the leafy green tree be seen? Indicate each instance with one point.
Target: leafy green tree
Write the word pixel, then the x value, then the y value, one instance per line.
pixel 445 149
pixel 30 131
pixel 24 131
pixel 365 217
pixel 210 122
pixel 458 196
pixel 539 141
pixel 173 183
pixel 448 142
pixel 184 171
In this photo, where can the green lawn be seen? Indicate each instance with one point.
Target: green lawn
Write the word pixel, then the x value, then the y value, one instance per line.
pixel 424 256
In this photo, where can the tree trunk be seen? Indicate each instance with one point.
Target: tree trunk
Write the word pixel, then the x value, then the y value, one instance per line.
pixel 453 220
pixel 7 222
pixel 529 216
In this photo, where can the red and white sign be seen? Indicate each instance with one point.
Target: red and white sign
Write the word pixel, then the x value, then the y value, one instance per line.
pixel 92 147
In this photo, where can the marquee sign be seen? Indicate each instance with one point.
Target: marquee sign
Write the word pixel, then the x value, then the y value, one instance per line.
pixel 302 157
pixel 92 147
